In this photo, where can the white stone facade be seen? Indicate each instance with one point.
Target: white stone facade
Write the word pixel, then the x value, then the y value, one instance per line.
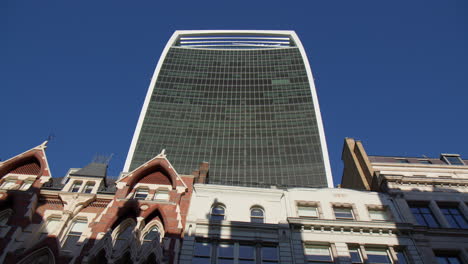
pixel 296 237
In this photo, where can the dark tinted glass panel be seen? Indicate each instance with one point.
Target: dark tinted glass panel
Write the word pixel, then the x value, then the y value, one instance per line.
pixel 454 217
pixel 424 216
pixel 249 113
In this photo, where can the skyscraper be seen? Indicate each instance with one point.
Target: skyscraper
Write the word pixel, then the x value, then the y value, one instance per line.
pixel 242 100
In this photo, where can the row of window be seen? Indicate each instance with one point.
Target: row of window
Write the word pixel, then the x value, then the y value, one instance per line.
pixel 249 253
pixel 11 184
pixel 257 213
pixel 450 159
pixel 218 213
pixel 345 213
pixel 234 252
pixel 451 212
pixel 76 187
pixel 372 254
pixel 79 227
pixel 143 194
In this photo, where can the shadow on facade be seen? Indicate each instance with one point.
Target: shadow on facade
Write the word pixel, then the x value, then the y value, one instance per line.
pixel 47 249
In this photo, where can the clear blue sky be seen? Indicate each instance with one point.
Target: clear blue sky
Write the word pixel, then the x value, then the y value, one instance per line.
pixel 393 74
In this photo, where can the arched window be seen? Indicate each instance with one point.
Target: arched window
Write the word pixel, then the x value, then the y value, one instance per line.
pixel 218 212
pixel 4 216
pixel 74 234
pixel 76 186
pixel 124 234
pixel 152 231
pixel 151 235
pixel 257 215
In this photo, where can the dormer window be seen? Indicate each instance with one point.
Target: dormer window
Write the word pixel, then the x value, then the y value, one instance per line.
pixel 9 184
pixel 141 194
pixel 402 160
pixel 452 159
pixel 89 187
pixel 162 195
pixel 26 185
pixel 76 186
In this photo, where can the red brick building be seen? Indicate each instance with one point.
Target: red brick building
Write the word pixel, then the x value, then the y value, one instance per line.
pixel 87 217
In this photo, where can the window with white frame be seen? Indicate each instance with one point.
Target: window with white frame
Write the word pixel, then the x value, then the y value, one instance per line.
pixel 50 227
pixel 378 255
pixel 257 215
pixel 318 254
pixel 141 193
pixel 89 187
pixel 307 211
pixel 355 254
pixel 217 212
pixel 9 184
pixel 76 186
pixel 343 213
pixel 453 159
pixel 26 185
pixel 74 234
pixel 226 252
pixel 162 195
pixel 379 214
pixel 152 234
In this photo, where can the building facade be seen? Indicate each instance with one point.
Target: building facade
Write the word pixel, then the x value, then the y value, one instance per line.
pixel 86 217
pixel 430 193
pixel 244 101
pixel 229 224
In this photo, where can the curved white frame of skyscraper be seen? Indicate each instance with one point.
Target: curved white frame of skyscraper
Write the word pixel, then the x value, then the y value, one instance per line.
pixel 289 33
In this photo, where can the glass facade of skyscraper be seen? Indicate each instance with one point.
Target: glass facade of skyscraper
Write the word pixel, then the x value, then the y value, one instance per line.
pixel 247 111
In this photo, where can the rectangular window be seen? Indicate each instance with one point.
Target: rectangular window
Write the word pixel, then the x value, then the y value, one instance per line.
pixel 162 195
pixel 269 254
pixel 401 255
pixel 202 253
pixel 74 235
pixel 424 216
pixel 343 213
pixel 379 215
pixel 318 254
pixel 51 226
pixel 307 211
pixel 225 253
pixel 402 160
pixel 26 185
pixel 247 254
pixel 444 258
pixel 9 184
pixel 141 194
pixel 355 254
pixel 425 161
pixel 76 186
pixel 378 255
pixel 453 159
pixel 454 216
pixel 89 187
